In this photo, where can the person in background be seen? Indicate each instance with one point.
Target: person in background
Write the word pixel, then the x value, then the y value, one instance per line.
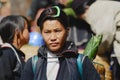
pixel 57 57
pixel 106 21
pixel 35 7
pixel 14 33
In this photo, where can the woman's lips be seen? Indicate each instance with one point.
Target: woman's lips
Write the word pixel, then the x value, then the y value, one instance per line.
pixel 53 44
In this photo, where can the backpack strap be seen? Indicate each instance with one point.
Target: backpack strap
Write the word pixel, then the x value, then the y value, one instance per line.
pixel 80 60
pixel 34 62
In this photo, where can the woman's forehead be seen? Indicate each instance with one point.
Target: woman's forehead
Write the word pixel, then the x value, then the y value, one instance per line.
pixel 52 24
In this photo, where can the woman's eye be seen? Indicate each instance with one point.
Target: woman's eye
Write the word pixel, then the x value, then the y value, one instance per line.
pixel 57 30
pixel 46 31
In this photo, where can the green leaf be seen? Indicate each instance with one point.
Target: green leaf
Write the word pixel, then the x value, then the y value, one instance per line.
pixel 92 46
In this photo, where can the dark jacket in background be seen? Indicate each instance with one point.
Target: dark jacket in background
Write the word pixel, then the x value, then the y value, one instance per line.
pixel 10 69
pixel 80 32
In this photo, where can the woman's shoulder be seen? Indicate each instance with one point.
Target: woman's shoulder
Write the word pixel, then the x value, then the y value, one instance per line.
pixel 6 50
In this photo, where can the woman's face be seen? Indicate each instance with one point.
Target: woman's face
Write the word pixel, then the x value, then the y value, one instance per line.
pixel 25 34
pixel 54 34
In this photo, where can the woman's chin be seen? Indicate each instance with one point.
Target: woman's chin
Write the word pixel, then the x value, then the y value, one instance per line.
pixel 55 49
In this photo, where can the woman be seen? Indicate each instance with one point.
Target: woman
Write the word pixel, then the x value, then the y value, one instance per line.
pixel 58 57
pixel 14 33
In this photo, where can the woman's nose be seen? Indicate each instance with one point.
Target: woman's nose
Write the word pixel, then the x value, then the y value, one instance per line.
pixel 53 36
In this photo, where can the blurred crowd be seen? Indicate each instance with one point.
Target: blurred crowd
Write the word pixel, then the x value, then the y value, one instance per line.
pixel 86 19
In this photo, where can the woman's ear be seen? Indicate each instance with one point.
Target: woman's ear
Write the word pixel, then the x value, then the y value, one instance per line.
pixel 17 33
pixel 16 40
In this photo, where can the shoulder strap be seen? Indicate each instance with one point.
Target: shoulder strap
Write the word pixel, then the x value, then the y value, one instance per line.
pixel 34 61
pixel 80 60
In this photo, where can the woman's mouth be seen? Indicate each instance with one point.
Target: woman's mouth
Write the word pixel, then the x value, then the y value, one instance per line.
pixel 53 44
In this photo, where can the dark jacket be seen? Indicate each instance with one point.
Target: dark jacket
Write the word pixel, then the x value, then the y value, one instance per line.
pixel 10 69
pixel 68 69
